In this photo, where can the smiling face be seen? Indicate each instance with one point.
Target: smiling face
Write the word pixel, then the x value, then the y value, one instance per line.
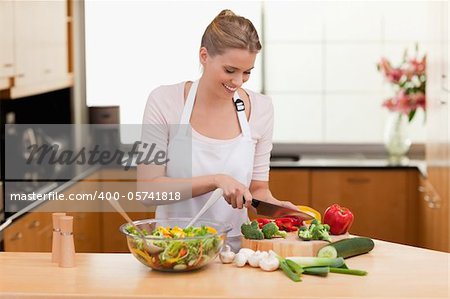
pixel 225 73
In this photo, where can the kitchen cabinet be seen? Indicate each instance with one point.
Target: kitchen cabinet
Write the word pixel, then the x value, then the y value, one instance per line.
pixel 7 42
pixel 434 199
pixel 376 197
pixel 96 228
pixel 33 231
pixel 289 184
pixel 384 202
pixel 39 30
pixel 433 213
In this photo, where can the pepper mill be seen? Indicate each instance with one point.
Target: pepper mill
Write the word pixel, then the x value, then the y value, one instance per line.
pixel 67 253
pixel 56 238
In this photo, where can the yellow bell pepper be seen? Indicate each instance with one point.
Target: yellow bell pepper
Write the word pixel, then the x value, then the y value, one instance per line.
pixel 310 211
pixel 211 230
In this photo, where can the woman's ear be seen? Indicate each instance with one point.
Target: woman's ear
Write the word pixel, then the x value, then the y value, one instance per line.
pixel 203 55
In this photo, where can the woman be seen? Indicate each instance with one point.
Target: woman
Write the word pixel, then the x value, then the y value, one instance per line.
pixel 231 128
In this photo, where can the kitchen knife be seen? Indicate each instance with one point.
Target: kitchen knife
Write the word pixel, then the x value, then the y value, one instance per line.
pixel 275 211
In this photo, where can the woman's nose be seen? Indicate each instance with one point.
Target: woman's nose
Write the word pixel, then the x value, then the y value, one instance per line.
pixel 238 80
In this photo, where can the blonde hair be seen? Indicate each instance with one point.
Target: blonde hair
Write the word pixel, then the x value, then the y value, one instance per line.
pixel 228 30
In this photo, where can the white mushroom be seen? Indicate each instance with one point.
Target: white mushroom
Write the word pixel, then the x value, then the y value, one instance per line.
pixel 240 259
pixel 247 252
pixel 255 258
pixel 226 255
pixel 270 262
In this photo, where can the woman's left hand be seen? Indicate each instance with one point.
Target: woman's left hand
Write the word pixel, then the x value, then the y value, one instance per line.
pixel 264 194
pixel 286 204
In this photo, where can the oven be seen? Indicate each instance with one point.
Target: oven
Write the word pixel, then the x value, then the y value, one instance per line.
pixel 22 123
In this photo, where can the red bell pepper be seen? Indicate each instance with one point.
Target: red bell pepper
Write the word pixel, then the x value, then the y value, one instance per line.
pixel 286 223
pixel 339 219
pixel 296 221
pixel 263 221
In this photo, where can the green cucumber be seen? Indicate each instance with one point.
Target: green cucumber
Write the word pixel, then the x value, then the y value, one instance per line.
pixel 328 252
pixel 347 248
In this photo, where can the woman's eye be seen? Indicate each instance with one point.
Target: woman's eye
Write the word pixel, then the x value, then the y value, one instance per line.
pixel 247 73
pixel 229 71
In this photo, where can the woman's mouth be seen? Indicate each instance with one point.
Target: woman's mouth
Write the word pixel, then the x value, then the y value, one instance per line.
pixel 229 88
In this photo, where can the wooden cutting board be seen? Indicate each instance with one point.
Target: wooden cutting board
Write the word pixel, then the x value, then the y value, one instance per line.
pixel 290 246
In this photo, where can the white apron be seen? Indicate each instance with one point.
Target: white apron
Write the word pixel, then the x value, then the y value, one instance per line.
pixel 233 157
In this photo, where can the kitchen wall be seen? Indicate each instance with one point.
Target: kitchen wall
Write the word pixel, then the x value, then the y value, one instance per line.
pixel 319 59
pixel 321 65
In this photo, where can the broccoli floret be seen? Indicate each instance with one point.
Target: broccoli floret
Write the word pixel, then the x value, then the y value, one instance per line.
pixel 316 231
pixel 304 233
pixel 271 230
pixel 252 231
pixel 319 231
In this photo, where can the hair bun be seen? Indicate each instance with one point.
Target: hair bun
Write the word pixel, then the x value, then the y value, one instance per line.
pixel 226 13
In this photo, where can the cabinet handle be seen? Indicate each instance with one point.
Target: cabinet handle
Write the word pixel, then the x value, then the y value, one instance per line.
pixel 20 75
pixel 443 102
pixel 434 205
pixel 358 180
pixel 35 223
pixel 47 71
pixel 17 236
pixel 8 65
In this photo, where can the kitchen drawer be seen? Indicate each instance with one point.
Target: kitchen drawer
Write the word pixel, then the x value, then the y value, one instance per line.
pixel 32 232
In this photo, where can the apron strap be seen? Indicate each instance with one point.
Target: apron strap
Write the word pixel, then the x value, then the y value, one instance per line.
pixel 240 110
pixel 189 105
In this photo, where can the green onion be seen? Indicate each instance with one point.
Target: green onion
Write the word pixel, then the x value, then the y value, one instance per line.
pixel 304 261
pixel 348 271
pixel 320 271
pixel 296 268
pixel 288 271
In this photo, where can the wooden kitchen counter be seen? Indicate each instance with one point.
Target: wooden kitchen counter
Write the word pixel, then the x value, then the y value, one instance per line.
pixel 395 271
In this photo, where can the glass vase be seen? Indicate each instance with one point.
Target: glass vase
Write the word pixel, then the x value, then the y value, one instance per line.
pixel 396 135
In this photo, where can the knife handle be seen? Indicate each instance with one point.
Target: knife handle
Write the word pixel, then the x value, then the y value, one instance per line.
pixel 255 202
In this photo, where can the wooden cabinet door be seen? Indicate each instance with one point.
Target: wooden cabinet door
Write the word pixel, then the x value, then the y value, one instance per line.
pixel 40 48
pixel 383 202
pixel 56 62
pixel 7 44
pixel 434 212
pixel 436 209
pixel 289 184
pixel 29 31
pixel 31 233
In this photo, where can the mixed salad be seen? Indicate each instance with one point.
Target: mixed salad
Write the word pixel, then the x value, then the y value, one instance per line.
pixel 180 249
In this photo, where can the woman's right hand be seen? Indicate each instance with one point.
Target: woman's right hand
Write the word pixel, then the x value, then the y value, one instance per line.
pixel 234 191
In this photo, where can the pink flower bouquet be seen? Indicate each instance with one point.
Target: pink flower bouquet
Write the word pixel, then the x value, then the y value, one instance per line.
pixel 409 80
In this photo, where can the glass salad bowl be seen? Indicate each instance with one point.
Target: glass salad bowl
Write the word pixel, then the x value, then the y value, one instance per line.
pixel 170 247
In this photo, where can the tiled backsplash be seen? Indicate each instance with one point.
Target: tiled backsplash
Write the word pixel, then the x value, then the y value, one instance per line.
pixel 321 65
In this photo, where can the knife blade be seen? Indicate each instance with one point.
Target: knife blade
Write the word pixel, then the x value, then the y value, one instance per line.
pixel 275 211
